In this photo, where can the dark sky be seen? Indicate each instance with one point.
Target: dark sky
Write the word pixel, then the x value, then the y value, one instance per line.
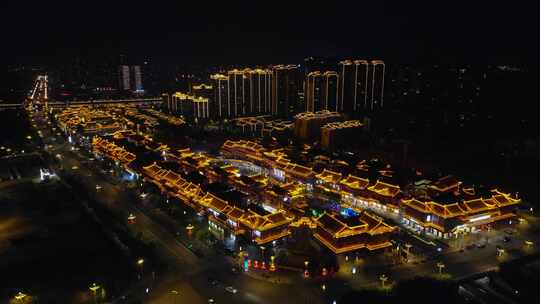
pixel 270 31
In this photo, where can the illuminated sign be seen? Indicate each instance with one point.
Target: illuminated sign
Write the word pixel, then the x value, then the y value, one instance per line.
pixel 480 217
pixel 269 208
pixel 279 174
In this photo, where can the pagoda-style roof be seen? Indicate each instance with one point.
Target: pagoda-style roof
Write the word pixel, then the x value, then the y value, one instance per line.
pixel 213 202
pixel 416 204
pixel 154 170
pixel 293 189
pixel 295 168
pixel 430 207
pixel 185 152
pixel 235 213
pixel 244 145
pixel 355 182
pixel 447 210
pixel 171 177
pixel 329 176
pixel 385 189
pixel 445 184
pixel 478 205
pixel 264 222
pixel 111 150
pixel 365 222
pixel 503 199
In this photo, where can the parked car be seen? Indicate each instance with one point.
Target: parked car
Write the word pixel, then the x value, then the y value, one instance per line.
pixel 231 289
pixel 508 231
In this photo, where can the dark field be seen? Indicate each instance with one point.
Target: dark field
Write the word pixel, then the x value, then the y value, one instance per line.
pixel 50 246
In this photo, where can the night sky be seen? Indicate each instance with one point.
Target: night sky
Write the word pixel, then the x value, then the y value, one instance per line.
pixel 270 31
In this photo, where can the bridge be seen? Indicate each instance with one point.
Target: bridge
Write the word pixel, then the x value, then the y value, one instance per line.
pixel 39 96
pixel 54 104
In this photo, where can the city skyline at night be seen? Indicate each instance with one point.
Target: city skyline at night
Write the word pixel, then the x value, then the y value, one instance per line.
pixel 234 152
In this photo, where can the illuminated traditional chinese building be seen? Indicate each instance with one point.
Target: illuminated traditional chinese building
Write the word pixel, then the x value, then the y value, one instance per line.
pixel 458 211
pixel 328 181
pixel 344 234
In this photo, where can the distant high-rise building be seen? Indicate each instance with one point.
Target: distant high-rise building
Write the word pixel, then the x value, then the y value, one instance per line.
pixel 330 91
pixel 353 85
pixel 260 84
pixel 313 91
pixel 237 87
pixel 130 78
pixel 377 85
pixel 242 92
pixel 123 77
pixel 190 106
pixel 286 87
pixel 322 91
pixel 361 86
pixel 137 78
pixel 220 107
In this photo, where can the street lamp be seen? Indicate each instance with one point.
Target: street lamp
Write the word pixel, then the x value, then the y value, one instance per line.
pixel 175 294
pixel 189 229
pixel 94 288
pixel 306 272
pixel 440 265
pixel 20 297
pixel 408 251
pixel 383 278
pixel 272 264
pixel 140 263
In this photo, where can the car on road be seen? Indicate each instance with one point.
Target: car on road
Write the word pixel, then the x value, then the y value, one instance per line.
pixel 231 289
pixel 211 300
pixel 74 168
pixel 506 239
